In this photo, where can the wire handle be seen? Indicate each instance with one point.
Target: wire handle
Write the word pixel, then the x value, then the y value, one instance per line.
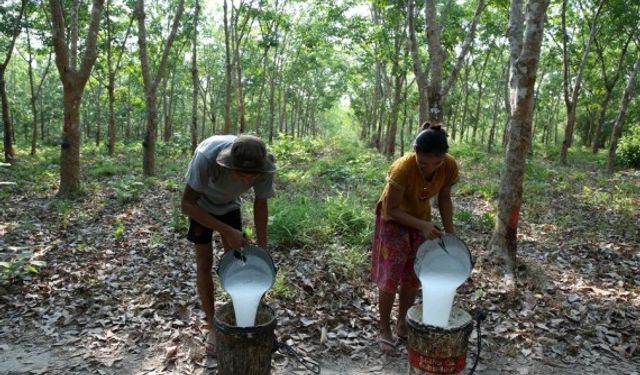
pixel 286 349
pixel 478 316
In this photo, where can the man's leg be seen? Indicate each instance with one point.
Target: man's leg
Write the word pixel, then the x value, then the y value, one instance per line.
pixel 204 263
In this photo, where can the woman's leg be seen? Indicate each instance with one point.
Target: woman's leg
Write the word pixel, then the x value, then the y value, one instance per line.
pixel 406 299
pixel 385 338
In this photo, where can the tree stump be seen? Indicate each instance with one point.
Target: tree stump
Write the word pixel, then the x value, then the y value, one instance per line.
pixel 244 350
pixel 436 350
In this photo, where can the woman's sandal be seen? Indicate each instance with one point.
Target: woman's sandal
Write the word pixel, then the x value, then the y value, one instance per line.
pixel 388 347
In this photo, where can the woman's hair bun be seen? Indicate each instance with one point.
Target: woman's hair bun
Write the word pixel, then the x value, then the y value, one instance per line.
pixel 427 125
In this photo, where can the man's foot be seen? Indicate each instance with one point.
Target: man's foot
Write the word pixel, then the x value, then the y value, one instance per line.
pixel 210 345
pixel 388 347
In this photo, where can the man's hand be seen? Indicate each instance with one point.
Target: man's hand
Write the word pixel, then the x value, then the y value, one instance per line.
pixel 234 238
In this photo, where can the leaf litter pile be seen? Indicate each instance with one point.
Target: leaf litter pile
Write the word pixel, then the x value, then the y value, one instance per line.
pixel 115 293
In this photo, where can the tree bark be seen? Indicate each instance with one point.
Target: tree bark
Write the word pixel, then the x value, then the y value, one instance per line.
pixel 9 153
pixel 572 100
pixel 525 54
pixel 617 128
pixel 609 85
pixel 421 74
pixel 111 80
pixel 151 84
pixel 73 83
pixel 480 83
pixel 195 81
pixel 436 91
pixel 465 105
pixel 35 92
pixel 228 73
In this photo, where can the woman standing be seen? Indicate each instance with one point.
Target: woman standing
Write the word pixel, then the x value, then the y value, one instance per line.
pixel 403 222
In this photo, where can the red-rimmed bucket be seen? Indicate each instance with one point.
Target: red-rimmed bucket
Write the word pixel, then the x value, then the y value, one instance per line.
pixel 438 350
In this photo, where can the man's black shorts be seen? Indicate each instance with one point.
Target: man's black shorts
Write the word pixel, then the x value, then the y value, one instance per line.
pixel 199 234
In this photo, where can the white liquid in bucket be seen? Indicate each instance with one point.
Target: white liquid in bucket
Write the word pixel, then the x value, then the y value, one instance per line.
pixel 246 288
pixel 440 279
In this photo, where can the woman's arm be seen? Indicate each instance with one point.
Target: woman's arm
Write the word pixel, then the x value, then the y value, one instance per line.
pixel 446 209
pixel 394 197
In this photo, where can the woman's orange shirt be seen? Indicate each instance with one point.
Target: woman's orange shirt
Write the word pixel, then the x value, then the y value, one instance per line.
pixel 405 175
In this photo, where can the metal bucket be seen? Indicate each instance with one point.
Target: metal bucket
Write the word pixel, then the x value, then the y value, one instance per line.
pixel 437 350
pixel 448 244
pixel 250 256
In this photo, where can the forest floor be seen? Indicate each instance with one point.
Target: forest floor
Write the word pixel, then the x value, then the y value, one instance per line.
pixel 117 294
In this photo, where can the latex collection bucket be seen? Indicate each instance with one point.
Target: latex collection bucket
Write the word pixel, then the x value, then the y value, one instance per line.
pixel 441 265
pixel 255 257
pixel 244 350
pixel 438 350
pixel 246 275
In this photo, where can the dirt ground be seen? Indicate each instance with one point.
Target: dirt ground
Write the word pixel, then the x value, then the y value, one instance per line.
pixel 107 304
pixel 33 354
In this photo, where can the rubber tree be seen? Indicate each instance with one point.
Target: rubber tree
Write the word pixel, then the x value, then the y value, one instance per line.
pixel 151 82
pixel 526 29
pixel 12 29
pixel 73 79
pixel 617 128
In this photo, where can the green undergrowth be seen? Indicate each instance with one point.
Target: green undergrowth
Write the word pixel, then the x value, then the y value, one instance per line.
pixel 326 193
pixel 325 202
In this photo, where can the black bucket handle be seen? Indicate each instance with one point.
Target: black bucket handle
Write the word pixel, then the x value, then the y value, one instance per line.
pixel 287 349
pixel 478 316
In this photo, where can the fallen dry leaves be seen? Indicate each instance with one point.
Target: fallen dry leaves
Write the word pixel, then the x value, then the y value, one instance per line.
pixel 104 304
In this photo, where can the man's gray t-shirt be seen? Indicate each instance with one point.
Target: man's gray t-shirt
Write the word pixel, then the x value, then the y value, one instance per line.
pixel 220 189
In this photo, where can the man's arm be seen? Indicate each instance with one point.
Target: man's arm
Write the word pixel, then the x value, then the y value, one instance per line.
pixel 260 217
pixel 191 208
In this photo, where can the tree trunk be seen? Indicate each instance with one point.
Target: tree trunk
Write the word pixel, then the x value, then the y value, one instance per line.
pixel 617 128
pixel 404 117
pixel 169 103
pixel 422 78
pixel 399 74
pixel 9 154
pixel 195 81
pixel 70 151
pixel 480 84
pixel 151 85
pixel 35 92
pixel 73 83
pixel 438 92
pixel 525 54
pixel 494 123
pixel 609 85
pixel 228 73
pixel 465 106
pixel 111 80
pixel 111 130
pixel 98 115
pixel 6 120
pixel 272 95
pixel 572 101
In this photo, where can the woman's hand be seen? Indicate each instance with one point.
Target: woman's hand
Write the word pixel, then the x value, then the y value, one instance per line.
pixel 430 231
